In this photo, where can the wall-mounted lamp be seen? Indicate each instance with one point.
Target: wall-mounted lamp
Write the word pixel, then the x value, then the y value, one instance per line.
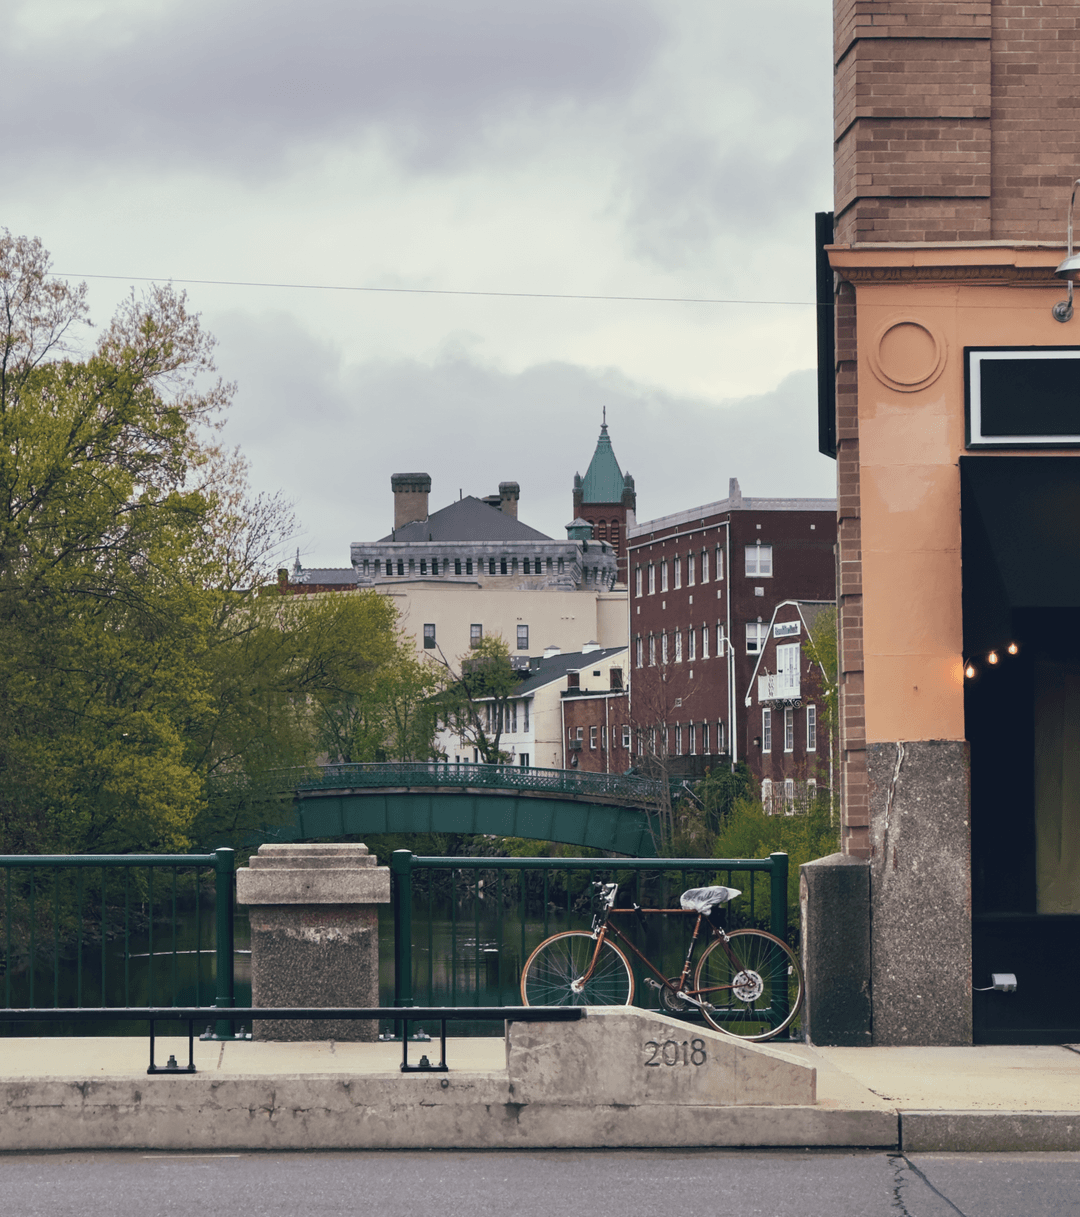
pixel 757 741
pixel 1069 270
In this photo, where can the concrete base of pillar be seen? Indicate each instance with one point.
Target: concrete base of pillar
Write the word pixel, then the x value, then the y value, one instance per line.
pixel 920 892
pixel 834 895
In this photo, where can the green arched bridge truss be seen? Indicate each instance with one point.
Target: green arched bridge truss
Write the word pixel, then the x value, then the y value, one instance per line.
pixel 597 810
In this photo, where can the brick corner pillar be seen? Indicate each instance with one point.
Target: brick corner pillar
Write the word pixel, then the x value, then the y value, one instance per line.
pixel 314 935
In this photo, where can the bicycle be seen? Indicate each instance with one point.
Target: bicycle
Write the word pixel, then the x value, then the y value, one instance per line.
pixel 747 983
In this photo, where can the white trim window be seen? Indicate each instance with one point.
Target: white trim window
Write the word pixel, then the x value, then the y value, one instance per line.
pixel 513 717
pixel 693 739
pixel 766 730
pixel 626 736
pixel 652 579
pixel 720 640
pixel 789 729
pixel 525 714
pixel 639 651
pixel 787 669
pixel 704 642
pixel 652 650
pixel 663 647
pixel 691 644
pixel 678 646
pixel 664 576
pixel 789 796
pixel 691 571
pixel 719 737
pixel 704 566
pixel 766 795
pixel 756 634
pixel 592 738
pixel 677 563
pixel 637 581
pixel 759 561
pixel 719 562
pixel 811 728
pixel 705 739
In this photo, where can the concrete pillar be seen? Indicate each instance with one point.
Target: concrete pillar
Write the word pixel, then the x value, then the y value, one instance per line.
pixel 314 935
pixel 834 897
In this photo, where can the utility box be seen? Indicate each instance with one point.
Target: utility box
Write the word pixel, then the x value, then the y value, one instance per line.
pixel 314 936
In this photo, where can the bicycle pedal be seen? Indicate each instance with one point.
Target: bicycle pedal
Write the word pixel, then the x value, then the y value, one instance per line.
pixel 654 984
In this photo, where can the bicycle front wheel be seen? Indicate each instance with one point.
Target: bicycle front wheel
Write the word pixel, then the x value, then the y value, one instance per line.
pixel 751 985
pixel 552 973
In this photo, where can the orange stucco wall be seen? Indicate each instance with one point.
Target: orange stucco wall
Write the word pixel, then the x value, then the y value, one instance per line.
pixel 917 310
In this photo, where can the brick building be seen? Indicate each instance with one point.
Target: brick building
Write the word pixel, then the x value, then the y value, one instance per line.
pixel 954 426
pixel 704 584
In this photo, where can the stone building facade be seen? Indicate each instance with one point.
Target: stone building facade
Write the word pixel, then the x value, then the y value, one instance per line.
pixel 957 139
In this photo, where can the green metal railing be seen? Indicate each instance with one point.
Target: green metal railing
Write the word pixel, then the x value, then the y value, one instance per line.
pixel 517 902
pixel 629 788
pixel 55 909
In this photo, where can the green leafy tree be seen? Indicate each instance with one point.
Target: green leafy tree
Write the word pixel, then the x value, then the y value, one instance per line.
pixel 822 646
pixel 474 703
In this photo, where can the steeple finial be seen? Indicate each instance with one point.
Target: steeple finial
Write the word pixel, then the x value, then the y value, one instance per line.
pixel 603 425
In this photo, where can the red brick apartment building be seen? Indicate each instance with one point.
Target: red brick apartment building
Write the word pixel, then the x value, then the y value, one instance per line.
pixel 704 585
pixel 949 397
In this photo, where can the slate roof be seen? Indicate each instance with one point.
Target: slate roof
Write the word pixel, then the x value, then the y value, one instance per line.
pixel 467 519
pixel 556 667
pixel 604 482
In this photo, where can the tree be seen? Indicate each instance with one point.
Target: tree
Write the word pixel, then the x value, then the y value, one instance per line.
pixel 151 678
pixel 823 648
pixel 474 703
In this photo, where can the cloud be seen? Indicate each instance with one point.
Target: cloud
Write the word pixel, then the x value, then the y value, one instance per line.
pixel 329 433
pixel 243 85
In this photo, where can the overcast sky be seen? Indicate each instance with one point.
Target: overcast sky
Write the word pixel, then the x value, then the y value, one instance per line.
pixel 658 148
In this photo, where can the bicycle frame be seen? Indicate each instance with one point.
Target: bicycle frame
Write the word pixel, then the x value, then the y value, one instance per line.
pixel 607 929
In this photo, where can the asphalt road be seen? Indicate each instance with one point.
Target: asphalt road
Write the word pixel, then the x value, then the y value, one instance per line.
pixel 626 1183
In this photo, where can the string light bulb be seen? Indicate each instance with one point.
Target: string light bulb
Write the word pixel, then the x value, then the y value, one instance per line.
pixel 1013 648
pixel 969 671
pixel 992 657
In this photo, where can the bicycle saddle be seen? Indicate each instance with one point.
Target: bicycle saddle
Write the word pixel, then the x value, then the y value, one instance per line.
pixel 705 899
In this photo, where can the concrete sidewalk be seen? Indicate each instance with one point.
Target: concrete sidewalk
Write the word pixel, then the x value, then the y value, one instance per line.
pixel 326 1095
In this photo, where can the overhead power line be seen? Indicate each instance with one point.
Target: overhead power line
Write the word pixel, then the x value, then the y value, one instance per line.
pixel 435 291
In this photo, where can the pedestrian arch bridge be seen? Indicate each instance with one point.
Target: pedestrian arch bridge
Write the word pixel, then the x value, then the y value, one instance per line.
pixel 597 810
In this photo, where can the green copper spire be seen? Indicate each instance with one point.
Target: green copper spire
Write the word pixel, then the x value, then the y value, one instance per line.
pixel 603 482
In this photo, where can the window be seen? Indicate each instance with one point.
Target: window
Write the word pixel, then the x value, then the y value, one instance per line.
pixel 639 648
pixel 573 680
pixel 579 734
pixel 789 795
pixel 789 729
pixel 490 717
pixel 691 644
pixel 720 639
pixel 678 739
pixel 690 570
pixel 719 562
pixel 652 579
pixel 603 739
pixel 527 565
pixel 502 566
pixel 759 560
pixel 626 736
pixel 429 636
pixel 787 669
pixel 562 566
pixel 704 566
pixel 705 738
pixel 491 566
pixel 412 567
pixel 468 566
pixel 476 633
pixel 678 646
pixel 693 739
pixel 457 566
pixel 615 535
pixel 719 737
pixel 513 718
pixel 637 581
pixel 663 576
pixel 523 759
pixel 435 566
pixel 525 715
pixel 811 728
pixel 652 650
pixel 601 530
pixel 766 731
pixel 677 563
pixel 400 567
pixel 592 738
pixel 756 633
pixel 615 677
pixel 523 638
pixel 663 647
pixel 811 792
pixel 423 566
pixel 704 642
pixel 766 795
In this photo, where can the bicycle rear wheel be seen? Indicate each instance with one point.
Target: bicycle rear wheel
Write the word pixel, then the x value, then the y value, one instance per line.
pixel 552 973
pixel 752 984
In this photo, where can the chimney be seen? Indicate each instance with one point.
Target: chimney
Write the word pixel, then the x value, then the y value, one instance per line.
pixel 734 494
pixel 411 492
pixel 509 493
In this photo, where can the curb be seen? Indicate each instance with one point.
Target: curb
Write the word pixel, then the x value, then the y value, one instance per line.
pixel 988 1131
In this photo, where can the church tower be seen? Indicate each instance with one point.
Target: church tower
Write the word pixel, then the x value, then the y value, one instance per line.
pixel 605 497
